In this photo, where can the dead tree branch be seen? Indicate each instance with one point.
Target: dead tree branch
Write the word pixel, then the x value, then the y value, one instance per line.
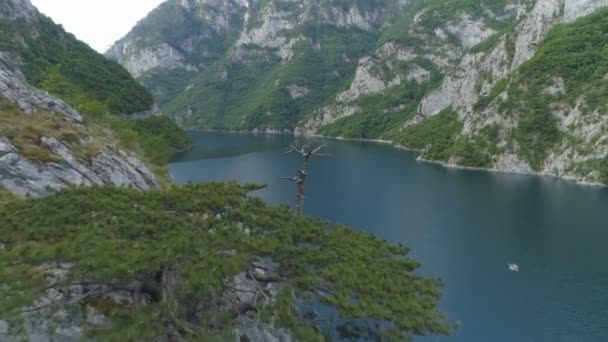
pixel 307 152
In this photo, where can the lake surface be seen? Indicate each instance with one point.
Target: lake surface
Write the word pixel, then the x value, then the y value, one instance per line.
pixel 464 226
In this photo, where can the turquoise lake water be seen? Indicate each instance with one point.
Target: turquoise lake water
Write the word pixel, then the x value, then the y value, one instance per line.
pixel 464 226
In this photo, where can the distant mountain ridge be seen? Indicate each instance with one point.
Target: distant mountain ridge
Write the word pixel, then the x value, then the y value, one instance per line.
pixel 444 77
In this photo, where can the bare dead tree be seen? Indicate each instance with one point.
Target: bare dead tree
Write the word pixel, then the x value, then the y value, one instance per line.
pixel 307 152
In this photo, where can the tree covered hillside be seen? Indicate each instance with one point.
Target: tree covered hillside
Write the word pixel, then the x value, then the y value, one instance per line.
pixel 45 47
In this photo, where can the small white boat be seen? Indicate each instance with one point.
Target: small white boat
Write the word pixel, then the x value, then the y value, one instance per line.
pixel 513 267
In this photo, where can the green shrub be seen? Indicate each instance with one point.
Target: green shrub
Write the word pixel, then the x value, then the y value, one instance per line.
pixel 478 150
pixel 604 170
pixel 166 129
pixel 114 235
pixel 435 135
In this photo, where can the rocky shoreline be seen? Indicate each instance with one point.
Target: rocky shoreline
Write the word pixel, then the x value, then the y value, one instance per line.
pixel 569 178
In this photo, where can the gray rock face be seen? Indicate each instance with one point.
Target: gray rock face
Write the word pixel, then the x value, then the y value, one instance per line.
pixel 257 331
pixel 247 327
pixel 140 61
pixel 17 9
pixel 257 24
pixel 470 32
pixel 14 88
pixel 32 178
pixel 296 91
pixel 476 75
pixel 28 178
pixel 41 324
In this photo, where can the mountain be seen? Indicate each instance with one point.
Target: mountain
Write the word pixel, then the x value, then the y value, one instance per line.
pixel 448 78
pixel 56 100
pixel 90 256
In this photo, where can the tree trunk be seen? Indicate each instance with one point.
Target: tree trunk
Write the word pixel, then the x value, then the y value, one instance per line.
pixel 301 186
pixel 306 152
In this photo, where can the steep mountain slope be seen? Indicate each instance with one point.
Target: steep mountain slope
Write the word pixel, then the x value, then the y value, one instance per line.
pixel 267 64
pixel 45 143
pixel 424 74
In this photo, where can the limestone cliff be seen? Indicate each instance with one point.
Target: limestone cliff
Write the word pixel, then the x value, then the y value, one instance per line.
pixel 376 70
pixel 46 145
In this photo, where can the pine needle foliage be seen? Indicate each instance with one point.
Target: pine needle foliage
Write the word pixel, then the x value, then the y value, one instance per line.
pixel 209 233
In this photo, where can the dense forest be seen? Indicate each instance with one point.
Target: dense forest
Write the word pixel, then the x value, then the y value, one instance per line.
pixel 45 48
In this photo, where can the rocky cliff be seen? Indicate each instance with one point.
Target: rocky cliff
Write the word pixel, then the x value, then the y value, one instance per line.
pixel 382 70
pixel 45 144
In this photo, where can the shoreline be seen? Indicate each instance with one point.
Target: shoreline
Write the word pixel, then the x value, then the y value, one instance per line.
pixel 570 179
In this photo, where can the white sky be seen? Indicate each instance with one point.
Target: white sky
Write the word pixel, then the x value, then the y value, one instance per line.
pixel 97 22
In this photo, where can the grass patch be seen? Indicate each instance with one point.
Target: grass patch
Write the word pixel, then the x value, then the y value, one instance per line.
pixel 153 139
pixel 26 131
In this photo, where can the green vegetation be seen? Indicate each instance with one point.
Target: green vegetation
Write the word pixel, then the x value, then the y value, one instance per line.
pixel 44 46
pixel 206 234
pixel 478 150
pixel 56 62
pixel 5 196
pixel 56 83
pixel 26 131
pixel 381 114
pixel 537 133
pixel 499 87
pixel 439 138
pixel 435 136
pixel 603 168
pixel 438 13
pixel 399 30
pixel 576 53
pixel 236 95
pixel 166 129
pixel 167 84
pixel 173 25
pixel 573 62
pixel 365 124
pixel 155 139
pixel 441 12
pixel 587 168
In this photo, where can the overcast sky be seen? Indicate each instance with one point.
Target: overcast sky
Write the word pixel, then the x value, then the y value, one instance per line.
pixel 97 22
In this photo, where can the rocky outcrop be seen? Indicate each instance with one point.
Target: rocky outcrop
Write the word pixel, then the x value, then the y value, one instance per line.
pixel 14 88
pixel 460 88
pixel 164 50
pixel 79 305
pixel 28 178
pixel 251 287
pixel 478 73
pixel 139 61
pixel 33 178
pixel 17 9
pixel 366 82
